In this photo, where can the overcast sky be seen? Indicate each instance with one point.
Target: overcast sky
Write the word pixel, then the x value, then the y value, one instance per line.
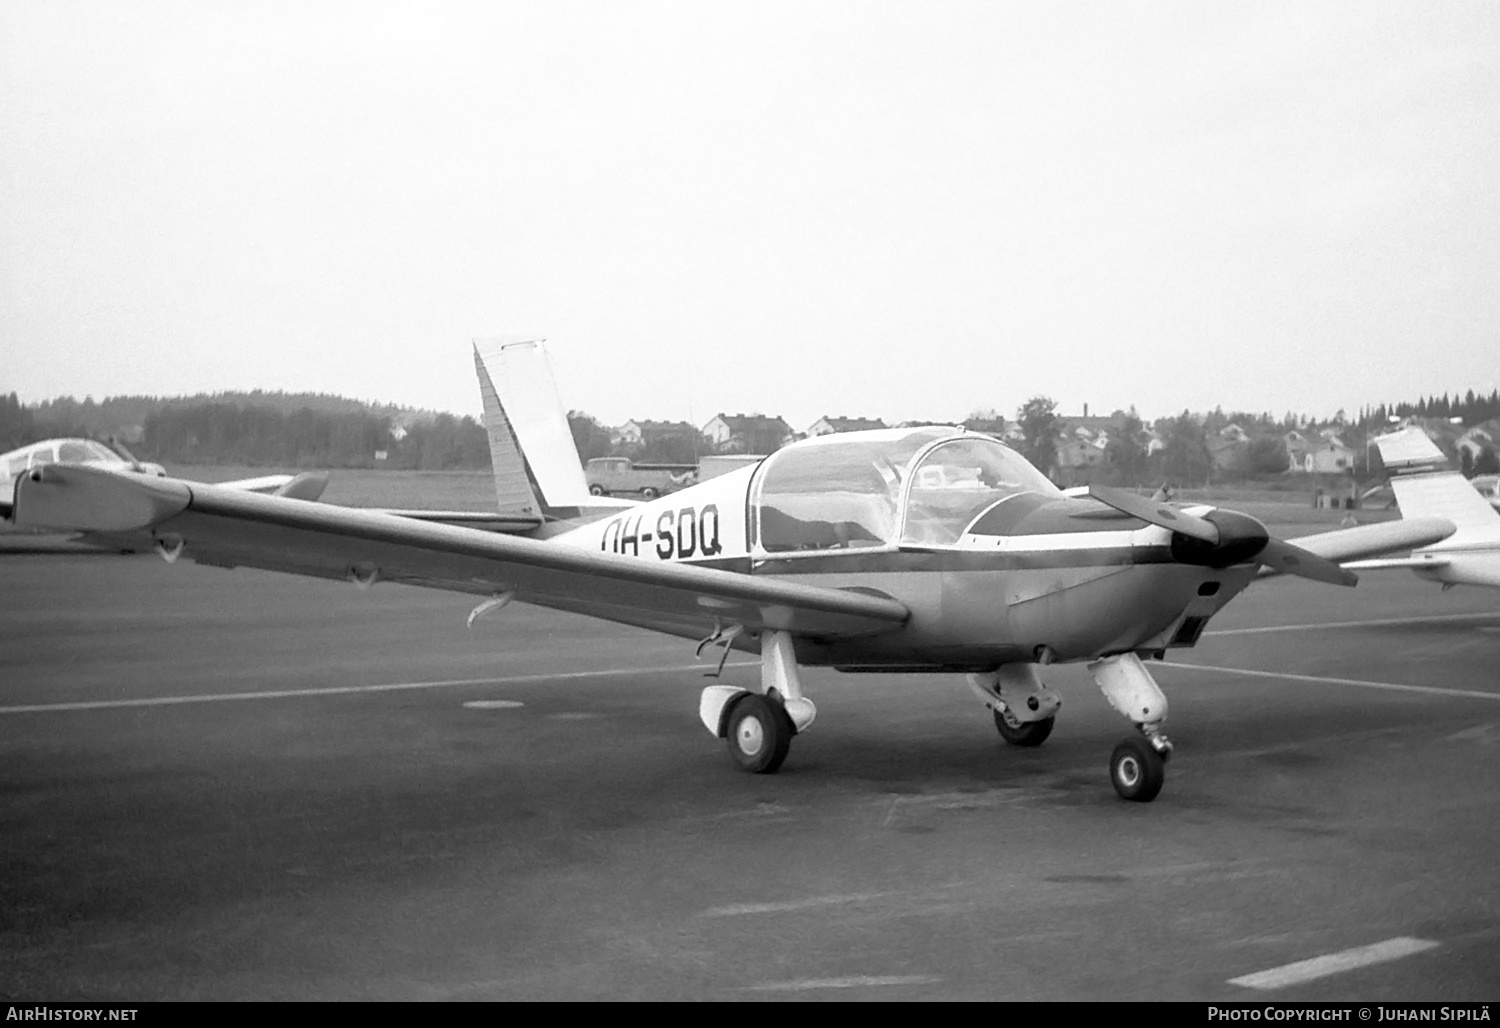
pixel 897 210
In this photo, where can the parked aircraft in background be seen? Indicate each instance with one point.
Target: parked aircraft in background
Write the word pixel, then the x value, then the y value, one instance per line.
pixel 1488 486
pixel 72 451
pixel 1426 485
pixel 307 486
pixel 902 550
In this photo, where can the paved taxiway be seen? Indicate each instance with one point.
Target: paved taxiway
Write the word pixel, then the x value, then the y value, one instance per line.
pixel 163 836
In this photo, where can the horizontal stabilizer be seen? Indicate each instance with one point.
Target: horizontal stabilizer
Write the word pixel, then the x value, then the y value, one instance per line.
pixel 269 484
pixel 307 486
pixel 1409 448
pixel 510 524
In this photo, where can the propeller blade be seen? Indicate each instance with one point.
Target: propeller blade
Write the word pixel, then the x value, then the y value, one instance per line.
pixel 1157 513
pixel 1294 560
pixel 114 444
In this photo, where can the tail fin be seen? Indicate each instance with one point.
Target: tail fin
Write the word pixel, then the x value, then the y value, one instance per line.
pixel 531 447
pixel 1426 486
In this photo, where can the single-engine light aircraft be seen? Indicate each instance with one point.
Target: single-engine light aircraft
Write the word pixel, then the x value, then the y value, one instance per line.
pixel 1426 485
pixel 308 485
pixel 899 550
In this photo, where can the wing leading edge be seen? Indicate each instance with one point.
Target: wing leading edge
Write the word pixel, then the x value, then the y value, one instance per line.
pixel 229 528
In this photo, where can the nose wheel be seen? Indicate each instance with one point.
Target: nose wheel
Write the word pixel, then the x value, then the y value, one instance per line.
pixel 1137 770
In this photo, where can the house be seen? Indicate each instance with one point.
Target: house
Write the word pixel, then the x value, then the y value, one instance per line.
pixel 1085 426
pixel 1076 458
pixel 1314 453
pixel 1473 443
pixel 644 433
pixel 1225 451
pixel 830 425
pixel 747 433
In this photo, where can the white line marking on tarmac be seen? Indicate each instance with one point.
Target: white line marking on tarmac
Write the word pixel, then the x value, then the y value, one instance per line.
pixel 1429 690
pixel 342 690
pixel 494 704
pixel 1333 963
pixel 1376 623
pixel 738 909
pixel 857 981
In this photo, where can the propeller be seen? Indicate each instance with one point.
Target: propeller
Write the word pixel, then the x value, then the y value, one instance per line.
pixel 113 442
pixel 1223 538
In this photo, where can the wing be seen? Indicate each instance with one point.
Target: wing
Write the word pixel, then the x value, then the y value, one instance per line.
pixel 1352 544
pixel 233 528
pixel 1398 562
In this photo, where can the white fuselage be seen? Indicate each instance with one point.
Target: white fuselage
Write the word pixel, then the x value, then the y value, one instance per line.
pixel 1474 559
pixel 705 522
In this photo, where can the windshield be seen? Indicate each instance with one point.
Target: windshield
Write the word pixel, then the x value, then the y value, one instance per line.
pixel 80 451
pixel 960 480
pixel 836 492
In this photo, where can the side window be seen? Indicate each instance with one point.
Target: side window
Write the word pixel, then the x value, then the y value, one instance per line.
pixel 41 455
pixel 77 452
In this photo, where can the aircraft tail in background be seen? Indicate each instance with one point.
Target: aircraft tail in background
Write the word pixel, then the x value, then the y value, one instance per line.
pixel 1426 486
pixel 537 471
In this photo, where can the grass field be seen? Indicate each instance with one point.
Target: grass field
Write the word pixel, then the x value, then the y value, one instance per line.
pixel 363 487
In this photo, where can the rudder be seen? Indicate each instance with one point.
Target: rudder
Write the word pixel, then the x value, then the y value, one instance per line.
pixel 531 447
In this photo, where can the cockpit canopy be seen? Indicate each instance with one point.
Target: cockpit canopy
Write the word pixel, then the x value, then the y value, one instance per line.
pixel 52 451
pixel 920 486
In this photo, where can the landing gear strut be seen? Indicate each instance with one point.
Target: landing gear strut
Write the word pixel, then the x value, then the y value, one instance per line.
pixel 1137 767
pixel 758 727
pixel 1025 709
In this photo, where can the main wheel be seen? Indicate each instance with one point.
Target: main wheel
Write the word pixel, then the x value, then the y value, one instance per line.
pixel 1023 733
pixel 649 493
pixel 1136 770
pixel 759 734
pixel 597 490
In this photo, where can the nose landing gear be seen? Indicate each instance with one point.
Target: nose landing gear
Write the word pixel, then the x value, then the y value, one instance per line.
pixel 1137 767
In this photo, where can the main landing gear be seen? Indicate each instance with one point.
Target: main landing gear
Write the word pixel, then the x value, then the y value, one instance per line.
pixel 1025 709
pixel 758 727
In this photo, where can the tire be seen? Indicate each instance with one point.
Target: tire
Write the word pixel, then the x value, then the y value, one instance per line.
pixel 597 490
pixel 1137 771
pixel 1023 733
pixel 758 734
pixel 649 493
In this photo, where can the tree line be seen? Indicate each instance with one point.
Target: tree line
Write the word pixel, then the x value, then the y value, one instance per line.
pixel 318 430
pixel 338 433
pixel 225 433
